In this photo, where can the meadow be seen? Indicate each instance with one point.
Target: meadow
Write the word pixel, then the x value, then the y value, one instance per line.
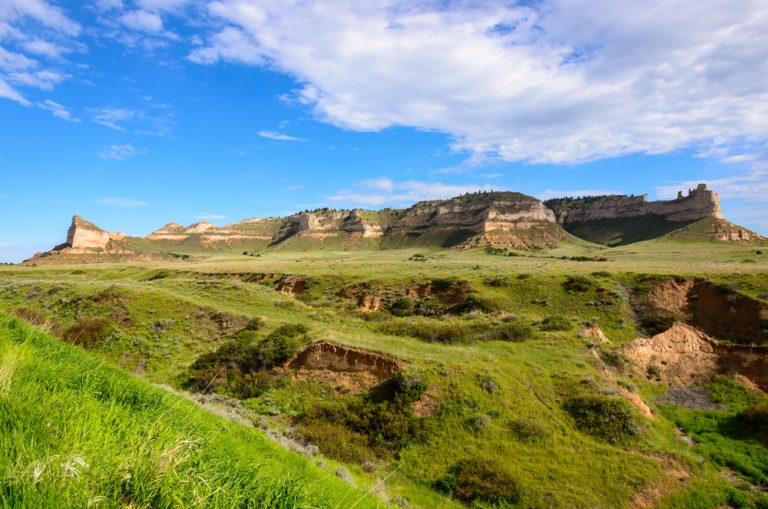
pixel 504 401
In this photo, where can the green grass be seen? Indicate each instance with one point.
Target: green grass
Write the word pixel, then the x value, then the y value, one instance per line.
pixel 500 401
pixel 77 433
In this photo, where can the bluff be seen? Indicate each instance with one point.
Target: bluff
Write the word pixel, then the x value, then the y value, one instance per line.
pixel 616 220
pixel 499 219
pixel 700 203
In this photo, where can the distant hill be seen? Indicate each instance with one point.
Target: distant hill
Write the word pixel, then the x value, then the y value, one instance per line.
pixel 498 219
pixel 616 220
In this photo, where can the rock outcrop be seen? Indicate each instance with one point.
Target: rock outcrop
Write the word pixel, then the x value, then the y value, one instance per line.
pixel 498 219
pixel 699 203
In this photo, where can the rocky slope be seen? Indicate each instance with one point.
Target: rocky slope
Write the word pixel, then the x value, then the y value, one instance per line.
pixel 501 219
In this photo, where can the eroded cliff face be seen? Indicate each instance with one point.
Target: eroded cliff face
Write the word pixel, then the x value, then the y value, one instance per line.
pixel 700 203
pixel 85 237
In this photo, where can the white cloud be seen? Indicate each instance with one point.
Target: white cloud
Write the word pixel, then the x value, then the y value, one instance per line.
pixel 229 44
pixel 120 152
pixel 8 92
pixel 272 135
pixel 44 80
pixel 384 191
pixel 143 21
pixel 45 48
pixel 123 203
pixel 294 188
pixel 551 81
pixel 107 5
pixel 57 110
pixel 112 117
pixel 209 216
pixel 10 61
pixel 552 193
pixel 41 11
pixel 162 5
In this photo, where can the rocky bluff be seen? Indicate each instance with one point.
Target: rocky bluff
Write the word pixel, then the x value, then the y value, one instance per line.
pixel 504 219
pixel 700 203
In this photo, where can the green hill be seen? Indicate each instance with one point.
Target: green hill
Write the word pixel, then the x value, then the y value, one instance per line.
pixel 77 433
pixel 624 230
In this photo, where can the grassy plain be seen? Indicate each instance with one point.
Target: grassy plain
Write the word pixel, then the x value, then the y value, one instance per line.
pixel 494 400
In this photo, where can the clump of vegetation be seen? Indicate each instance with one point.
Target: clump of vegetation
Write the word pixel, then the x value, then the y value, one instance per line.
pixel 578 284
pixel 528 431
pixel 239 366
pixel 514 331
pixel 608 418
pixel 482 480
pixel 497 281
pixel 655 324
pixel 88 331
pixel 556 323
pixel 32 316
pixel 363 428
pixel 418 257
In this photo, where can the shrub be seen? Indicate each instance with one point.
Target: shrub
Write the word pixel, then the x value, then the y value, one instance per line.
pixel 527 431
pixel 480 479
pixel 654 324
pixel 88 331
pixel 237 366
pixel 606 417
pixel 654 371
pixel 613 358
pixel 409 385
pixel 513 331
pixel 401 306
pixel 756 417
pixel 556 323
pixel 255 324
pixel 578 284
pixel 33 316
pixel 497 281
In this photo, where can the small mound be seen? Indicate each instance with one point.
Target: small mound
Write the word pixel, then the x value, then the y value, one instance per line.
pixel 713 229
pixel 682 355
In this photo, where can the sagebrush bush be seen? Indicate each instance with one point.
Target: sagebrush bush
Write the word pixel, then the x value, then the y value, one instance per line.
pixel 32 316
pixel 528 431
pixel 606 417
pixel 480 479
pixel 88 331
pixel 238 367
pixel 556 323
pixel 513 331
pixel 578 284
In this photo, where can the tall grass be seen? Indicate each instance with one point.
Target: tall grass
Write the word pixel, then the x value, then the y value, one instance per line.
pixel 77 433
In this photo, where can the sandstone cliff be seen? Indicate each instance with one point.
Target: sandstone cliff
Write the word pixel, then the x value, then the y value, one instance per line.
pixel 85 237
pixel 699 203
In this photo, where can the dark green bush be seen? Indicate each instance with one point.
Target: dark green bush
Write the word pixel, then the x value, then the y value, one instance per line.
pixel 480 479
pixel 556 323
pixel 401 306
pixel 527 431
pixel 497 281
pixel 513 331
pixel 409 385
pixel 654 324
pixel 578 284
pixel 606 417
pixel 88 331
pixel 255 324
pixel 238 366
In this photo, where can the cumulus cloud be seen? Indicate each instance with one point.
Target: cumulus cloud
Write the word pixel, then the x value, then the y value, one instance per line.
pixel 21 23
pixel 142 21
pixel 385 191
pixel 120 202
pixel 553 81
pixel 120 152
pixel 272 135
pixel 57 110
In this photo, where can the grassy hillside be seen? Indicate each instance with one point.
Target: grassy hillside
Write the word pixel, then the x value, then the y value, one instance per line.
pixel 624 230
pixel 77 433
pixel 506 386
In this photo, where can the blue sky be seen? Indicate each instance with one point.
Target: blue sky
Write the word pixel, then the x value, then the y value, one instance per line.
pixel 135 113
